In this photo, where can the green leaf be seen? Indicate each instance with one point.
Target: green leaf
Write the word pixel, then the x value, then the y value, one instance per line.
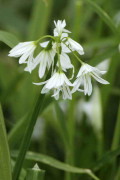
pixel 23 171
pixel 40 18
pixel 56 164
pixel 116 137
pixel 104 16
pixel 5 164
pixel 8 39
pixel 108 157
pixel 76 18
pixel 105 55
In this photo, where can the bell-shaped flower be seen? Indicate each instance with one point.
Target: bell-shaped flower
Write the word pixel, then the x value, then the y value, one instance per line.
pixel 23 50
pixel 73 46
pixel 84 78
pixel 45 59
pixel 58 83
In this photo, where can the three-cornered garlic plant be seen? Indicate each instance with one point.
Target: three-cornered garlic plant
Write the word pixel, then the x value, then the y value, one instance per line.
pixel 54 57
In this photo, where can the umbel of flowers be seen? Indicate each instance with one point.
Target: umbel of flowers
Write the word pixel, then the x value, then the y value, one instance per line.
pixel 54 57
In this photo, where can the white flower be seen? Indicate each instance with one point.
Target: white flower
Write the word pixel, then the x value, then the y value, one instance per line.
pixel 58 82
pixel 74 46
pixel 59 28
pixel 84 77
pixel 45 58
pixel 25 50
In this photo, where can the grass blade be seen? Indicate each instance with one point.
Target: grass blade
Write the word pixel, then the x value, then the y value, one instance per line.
pixel 39 19
pixel 108 157
pixel 116 137
pixel 5 164
pixel 104 16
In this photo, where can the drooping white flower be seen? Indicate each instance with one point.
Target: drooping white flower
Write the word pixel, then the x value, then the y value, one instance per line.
pixel 60 28
pixel 23 50
pixel 74 46
pixel 45 59
pixel 58 82
pixel 84 78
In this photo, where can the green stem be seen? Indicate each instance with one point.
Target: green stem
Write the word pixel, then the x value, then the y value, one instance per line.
pixel 26 140
pixel 77 58
pixel 47 36
pixel 58 53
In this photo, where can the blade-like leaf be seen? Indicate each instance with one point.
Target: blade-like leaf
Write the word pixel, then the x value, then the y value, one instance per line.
pixel 56 164
pixel 5 164
pixel 104 16
pixel 8 39
pixel 108 157
pixel 116 137
pixel 40 18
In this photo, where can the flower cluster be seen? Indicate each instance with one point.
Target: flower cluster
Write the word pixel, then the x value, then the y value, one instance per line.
pixel 54 56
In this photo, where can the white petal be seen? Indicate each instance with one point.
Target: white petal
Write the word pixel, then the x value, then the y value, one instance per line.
pixel 99 79
pixel 88 80
pixel 41 83
pixel 75 46
pixel 66 93
pixel 30 63
pixel 42 68
pixel 76 84
pixel 44 44
pixel 56 93
pixel 20 46
pixel 52 81
pixel 44 90
pixel 82 71
pixel 65 61
pixel 19 50
pixel 23 58
pixel 67 80
pixel 65 48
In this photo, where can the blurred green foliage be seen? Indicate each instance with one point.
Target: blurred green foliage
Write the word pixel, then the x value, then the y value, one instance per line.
pixel 64 130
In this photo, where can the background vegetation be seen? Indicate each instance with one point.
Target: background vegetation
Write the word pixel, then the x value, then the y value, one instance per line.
pixel 84 132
